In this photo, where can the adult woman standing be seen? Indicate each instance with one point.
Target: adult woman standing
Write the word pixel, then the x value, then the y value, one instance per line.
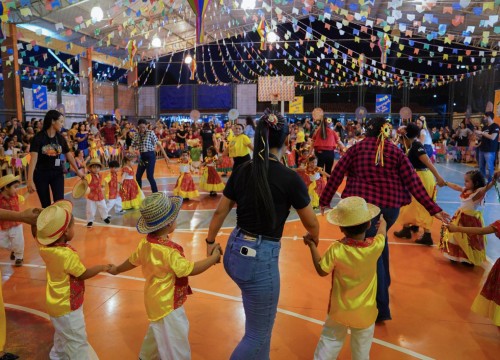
pixel 82 140
pixel 462 135
pixel 45 169
pixel 264 190
pixel 239 146
pixel 415 214
pixel 425 136
pixel 207 138
pixel 325 142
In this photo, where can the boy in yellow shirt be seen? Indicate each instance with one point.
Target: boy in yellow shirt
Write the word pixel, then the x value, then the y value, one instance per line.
pixel 65 276
pixel 166 271
pixel 353 262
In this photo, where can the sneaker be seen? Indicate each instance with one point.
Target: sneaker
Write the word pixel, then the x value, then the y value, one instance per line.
pixel 414 228
pixel 12 256
pixel 425 239
pixel 404 233
pixel 18 263
pixel 89 224
pixel 107 220
pixel 213 193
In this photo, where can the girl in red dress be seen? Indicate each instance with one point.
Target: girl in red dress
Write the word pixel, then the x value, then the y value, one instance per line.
pixel 130 192
pixel 316 180
pixel 210 179
pixel 185 186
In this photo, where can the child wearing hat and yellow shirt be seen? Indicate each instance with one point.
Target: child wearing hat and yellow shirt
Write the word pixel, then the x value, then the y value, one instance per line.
pixel 11 232
pixel 166 271
pixel 95 198
pixel 353 262
pixel 65 281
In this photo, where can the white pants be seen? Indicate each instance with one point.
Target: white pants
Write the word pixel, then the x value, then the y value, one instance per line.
pixel 70 337
pixel 91 209
pixel 167 339
pixel 333 336
pixel 13 239
pixel 117 203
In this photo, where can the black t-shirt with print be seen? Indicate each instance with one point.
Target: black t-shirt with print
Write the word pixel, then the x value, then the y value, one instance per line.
pixel 49 149
pixel 287 189
pixel 417 150
pixel 488 145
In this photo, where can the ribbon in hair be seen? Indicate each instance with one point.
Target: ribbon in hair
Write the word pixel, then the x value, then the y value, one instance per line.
pixel 385 132
pixel 263 148
pixel 273 120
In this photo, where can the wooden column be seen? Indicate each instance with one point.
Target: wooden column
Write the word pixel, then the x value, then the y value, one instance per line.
pixel 132 81
pixel 12 84
pixel 90 100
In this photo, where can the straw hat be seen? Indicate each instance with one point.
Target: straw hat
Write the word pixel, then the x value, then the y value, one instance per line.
pixel 8 179
pixel 94 161
pixel 157 211
pixel 81 189
pixel 352 211
pixel 53 222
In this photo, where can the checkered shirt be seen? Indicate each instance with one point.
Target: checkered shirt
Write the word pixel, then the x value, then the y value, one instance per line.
pixel 145 142
pixel 388 186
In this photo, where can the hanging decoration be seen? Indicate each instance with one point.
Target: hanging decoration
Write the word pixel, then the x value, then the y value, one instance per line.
pixel 132 50
pixel 199 8
pixel 384 44
pixel 261 30
pixel 192 68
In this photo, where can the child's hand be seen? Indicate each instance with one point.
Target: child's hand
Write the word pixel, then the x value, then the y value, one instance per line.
pixel 112 269
pixel 105 268
pixel 309 240
pixel 382 222
pixel 452 227
pixel 217 252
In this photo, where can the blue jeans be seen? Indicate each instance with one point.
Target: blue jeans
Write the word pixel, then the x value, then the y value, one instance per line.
pixel 147 161
pixel 429 150
pixel 383 272
pixel 487 160
pixel 258 278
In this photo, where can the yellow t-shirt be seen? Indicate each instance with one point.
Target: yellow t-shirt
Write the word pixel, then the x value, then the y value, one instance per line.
pixel 238 146
pixel 64 292
pixel 301 137
pixel 160 267
pixel 354 286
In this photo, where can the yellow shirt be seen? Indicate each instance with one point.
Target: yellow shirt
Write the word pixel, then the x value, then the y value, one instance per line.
pixel 64 291
pixel 238 146
pixel 354 286
pixel 161 265
pixel 301 137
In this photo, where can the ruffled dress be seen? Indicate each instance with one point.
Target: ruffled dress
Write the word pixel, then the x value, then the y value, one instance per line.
pixel 210 179
pixel 185 186
pixel 130 191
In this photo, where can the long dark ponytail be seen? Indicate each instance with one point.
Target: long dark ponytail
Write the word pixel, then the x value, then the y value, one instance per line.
pixel 50 116
pixel 271 132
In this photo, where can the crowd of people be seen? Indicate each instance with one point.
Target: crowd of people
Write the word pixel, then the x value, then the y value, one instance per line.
pixel 274 166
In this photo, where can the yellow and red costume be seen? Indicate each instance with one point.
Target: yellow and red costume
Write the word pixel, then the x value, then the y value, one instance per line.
pixel 210 180
pixel 185 186
pixel 130 192
pixel 316 185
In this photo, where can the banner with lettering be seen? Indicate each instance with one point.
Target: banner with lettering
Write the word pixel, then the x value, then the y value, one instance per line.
pixel 383 104
pixel 40 101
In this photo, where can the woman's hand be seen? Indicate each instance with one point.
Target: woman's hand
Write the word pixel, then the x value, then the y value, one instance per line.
pixel 452 227
pixel 80 174
pixel 443 216
pixel 440 182
pixel 31 187
pixel 211 248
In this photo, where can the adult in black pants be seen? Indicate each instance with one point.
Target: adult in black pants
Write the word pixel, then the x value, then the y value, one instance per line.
pixel 46 165
pixel 325 142
pixel 207 137
pixel 145 141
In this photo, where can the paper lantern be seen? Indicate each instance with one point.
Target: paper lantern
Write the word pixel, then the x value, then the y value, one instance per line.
pixel 233 114
pixel 194 115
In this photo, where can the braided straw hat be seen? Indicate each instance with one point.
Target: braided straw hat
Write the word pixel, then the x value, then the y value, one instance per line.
pixel 81 189
pixel 157 211
pixel 352 211
pixel 8 179
pixel 53 222
pixel 94 161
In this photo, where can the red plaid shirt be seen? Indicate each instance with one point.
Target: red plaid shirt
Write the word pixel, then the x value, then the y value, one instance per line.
pixel 388 186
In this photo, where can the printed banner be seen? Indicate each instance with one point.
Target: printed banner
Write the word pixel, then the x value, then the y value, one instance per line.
pixel 383 104
pixel 297 105
pixel 40 101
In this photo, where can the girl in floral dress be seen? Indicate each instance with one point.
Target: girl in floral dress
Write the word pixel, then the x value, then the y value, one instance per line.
pixel 130 192
pixel 185 186
pixel 468 249
pixel 210 179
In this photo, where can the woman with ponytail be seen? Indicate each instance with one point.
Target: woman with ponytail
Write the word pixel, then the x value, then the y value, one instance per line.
pixel 325 142
pixel 264 190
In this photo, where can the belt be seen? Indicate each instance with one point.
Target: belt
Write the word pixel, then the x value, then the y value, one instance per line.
pixel 252 237
pixel 426 169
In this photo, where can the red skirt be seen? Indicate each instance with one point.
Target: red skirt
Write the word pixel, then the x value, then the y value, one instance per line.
pixel 129 190
pixel 487 303
pixel 304 176
pixel 185 186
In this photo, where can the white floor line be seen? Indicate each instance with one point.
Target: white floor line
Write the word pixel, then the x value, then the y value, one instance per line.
pixel 237 298
pixel 92 354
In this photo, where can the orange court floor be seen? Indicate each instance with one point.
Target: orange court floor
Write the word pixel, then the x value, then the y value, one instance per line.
pixel 430 297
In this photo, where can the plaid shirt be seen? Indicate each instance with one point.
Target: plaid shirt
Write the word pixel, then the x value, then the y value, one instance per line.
pixel 387 186
pixel 145 142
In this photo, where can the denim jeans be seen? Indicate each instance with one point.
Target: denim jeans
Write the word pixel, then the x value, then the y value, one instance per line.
pixel 487 161
pixel 259 280
pixel 147 161
pixel 383 272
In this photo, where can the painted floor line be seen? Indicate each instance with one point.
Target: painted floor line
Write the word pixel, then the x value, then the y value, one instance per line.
pixel 92 355
pixel 237 298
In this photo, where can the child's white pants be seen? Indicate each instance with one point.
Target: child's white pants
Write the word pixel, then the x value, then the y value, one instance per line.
pixel 117 203
pixel 167 338
pixel 333 336
pixel 91 209
pixel 13 239
pixel 70 337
